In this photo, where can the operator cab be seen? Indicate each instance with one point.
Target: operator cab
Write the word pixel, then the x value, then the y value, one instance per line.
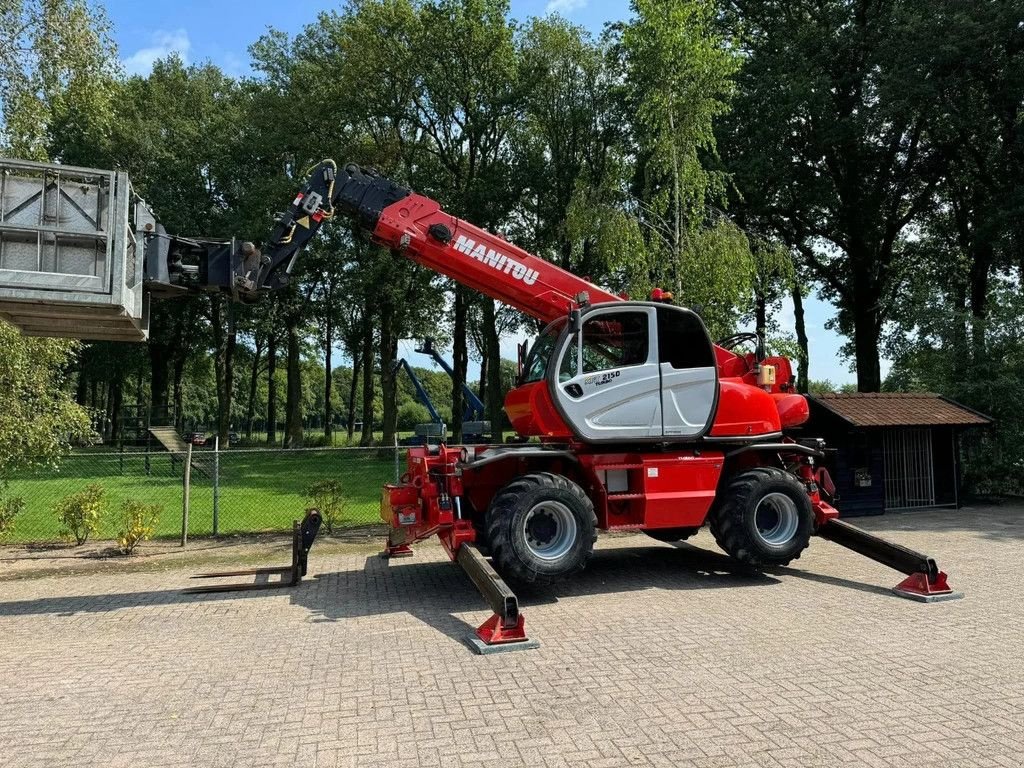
pixel 625 371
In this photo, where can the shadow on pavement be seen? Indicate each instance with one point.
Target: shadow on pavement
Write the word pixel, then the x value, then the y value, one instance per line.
pixel 435 591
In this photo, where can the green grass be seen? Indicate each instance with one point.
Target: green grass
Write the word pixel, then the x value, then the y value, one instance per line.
pixel 260 490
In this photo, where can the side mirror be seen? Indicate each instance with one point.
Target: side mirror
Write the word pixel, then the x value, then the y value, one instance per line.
pixel 575 321
pixel 520 359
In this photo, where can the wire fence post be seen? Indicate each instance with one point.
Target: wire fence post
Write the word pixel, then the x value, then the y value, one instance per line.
pixel 397 476
pixel 184 497
pixel 216 484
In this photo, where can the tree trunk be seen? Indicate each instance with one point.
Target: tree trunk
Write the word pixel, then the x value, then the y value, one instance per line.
pixel 388 380
pixel 677 210
pixel 460 361
pixel 492 354
pixel 981 263
pixel 82 387
pixel 272 388
pixel 179 411
pixel 159 357
pixel 866 332
pixel 482 389
pixel 116 398
pixel 350 419
pixel 366 438
pixel 328 380
pixel 223 363
pixel 254 378
pixel 803 364
pixel 293 401
pixel 760 314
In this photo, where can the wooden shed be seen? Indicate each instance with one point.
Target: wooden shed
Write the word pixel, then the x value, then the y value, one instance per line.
pixel 891 451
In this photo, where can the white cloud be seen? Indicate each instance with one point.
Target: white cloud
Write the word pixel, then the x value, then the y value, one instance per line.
pixel 564 7
pixel 162 45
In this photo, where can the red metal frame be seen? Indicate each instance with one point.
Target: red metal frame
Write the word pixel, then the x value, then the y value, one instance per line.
pixel 919 585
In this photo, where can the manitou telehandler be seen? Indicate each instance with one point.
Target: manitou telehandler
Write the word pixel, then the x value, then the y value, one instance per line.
pixel 640 422
pixel 635 420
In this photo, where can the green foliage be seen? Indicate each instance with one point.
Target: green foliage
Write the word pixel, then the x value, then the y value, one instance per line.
pixel 410 414
pixel 678 81
pixel 58 70
pixel 10 507
pixel 39 420
pixel 80 513
pixel 326 496
pixel 138 523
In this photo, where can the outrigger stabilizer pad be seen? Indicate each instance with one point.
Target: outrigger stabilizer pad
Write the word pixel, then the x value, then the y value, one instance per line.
pixel 924 583
pixel 303 535
pixel 505 630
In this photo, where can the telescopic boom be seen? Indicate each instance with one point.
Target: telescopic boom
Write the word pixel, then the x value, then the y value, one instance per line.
pixel 415 226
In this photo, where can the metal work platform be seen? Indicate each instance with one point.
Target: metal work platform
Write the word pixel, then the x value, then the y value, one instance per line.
pixel 71 252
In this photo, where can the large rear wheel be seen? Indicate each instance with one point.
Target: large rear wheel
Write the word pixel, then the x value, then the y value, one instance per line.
pixel 763 518
pixel 541 528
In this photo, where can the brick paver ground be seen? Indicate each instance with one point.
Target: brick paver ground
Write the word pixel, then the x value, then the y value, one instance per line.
pixel 657 655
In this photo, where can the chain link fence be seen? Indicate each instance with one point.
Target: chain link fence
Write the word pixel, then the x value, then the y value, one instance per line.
pixel 232 491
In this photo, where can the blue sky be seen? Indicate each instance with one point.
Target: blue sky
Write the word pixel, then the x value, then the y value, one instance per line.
pixel 222 30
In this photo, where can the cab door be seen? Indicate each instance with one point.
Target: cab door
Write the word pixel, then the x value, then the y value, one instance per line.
pixel 689 375
pixel 608 385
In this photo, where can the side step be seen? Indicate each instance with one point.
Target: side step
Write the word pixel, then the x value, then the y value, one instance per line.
pixel 504 631
pixel 924 582
pixel 303 535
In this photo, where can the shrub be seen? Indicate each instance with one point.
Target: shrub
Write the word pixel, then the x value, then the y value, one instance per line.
pixel 138 524
pixel 411 413
pixel 9 509
pixel 80 513
pixel 325 496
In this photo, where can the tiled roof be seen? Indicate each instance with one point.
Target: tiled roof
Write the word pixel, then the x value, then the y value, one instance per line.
pixel 899 409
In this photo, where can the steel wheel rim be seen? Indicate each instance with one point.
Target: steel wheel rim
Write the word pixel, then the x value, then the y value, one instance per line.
pixel 776 519
pixel 549 529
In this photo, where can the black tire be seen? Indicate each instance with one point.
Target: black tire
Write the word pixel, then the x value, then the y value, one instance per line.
pixel 763 518
pixel 541 528
pixel 672 535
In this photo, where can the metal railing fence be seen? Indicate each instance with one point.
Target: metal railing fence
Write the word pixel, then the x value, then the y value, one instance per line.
pixel 231 491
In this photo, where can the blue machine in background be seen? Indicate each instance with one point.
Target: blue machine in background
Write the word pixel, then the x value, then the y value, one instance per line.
pixel 435 427
pixel 474 427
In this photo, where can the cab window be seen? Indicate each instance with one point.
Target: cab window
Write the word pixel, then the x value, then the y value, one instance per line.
pixel 537 360
pixel 682 340
pixel 613 340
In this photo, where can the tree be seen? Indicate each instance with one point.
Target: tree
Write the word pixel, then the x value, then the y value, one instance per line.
pixel 678 82
pixel 828 142
pixel 58 68
pixel 39 424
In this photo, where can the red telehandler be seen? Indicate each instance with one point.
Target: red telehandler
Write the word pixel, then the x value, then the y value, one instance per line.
pixel 641 423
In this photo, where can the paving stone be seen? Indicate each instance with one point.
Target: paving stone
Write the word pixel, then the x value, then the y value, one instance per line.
pixel 655 655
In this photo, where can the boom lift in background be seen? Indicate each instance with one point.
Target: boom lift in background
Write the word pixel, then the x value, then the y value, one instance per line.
pixel 474 427
pixel 435 427
pixel 638 421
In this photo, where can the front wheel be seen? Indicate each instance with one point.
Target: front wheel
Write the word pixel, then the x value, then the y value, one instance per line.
pixel 541 528
pixel 764 518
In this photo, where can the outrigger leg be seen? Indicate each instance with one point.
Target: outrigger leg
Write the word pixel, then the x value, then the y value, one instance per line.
pixel 303 535
pixel 924 582
pixel 505 630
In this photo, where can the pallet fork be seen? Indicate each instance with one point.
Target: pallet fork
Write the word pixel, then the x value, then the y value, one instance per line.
pixel 924 583
pixel 303 535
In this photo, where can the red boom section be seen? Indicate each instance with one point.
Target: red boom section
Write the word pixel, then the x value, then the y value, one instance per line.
pixel 418 228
